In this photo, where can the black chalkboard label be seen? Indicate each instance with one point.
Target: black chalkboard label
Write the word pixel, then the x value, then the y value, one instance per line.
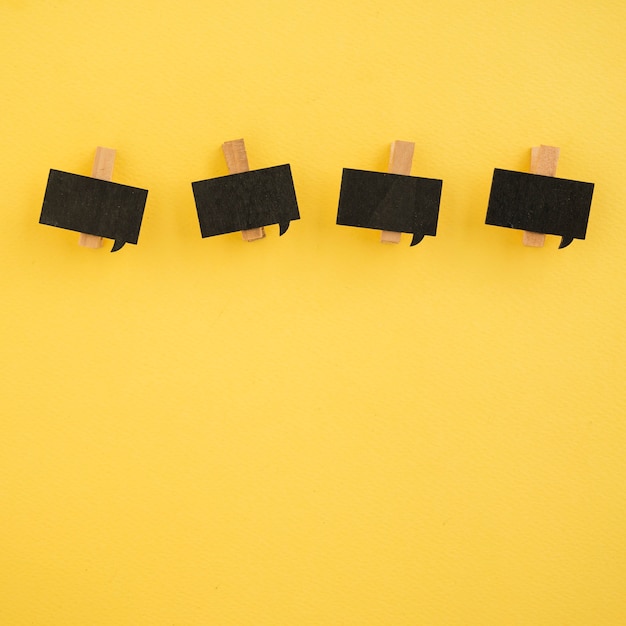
pixel 94 207
pixel 392 202
pixel 540 204
pixel 247 200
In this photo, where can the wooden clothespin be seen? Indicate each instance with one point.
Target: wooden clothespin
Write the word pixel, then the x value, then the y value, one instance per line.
pixel 237 162
pixel 543 160
pixel 400 162
pixel 103 170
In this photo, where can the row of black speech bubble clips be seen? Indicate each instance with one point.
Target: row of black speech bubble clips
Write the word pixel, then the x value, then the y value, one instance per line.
pixel 391 202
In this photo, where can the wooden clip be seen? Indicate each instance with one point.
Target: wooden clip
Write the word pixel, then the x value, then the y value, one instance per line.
pixel 543 160
pixel 400 162
pixel 237 162
pixel 102 169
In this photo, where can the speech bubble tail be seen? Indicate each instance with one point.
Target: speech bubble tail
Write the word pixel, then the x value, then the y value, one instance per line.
pixel 283 227
pixel 417 237
pixel 565 241
pixel 118 245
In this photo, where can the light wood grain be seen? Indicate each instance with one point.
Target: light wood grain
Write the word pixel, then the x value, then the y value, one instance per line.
pixel 543 160
pixel 401 157
pixel 237 162
pixel 102 169
pixel 400 162
pixel 390 236
pixel 236 156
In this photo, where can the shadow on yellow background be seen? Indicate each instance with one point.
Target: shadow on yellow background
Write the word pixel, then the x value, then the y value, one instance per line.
pixel 314 429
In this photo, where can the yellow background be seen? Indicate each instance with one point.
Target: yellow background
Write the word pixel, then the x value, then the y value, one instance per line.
pixel 314 429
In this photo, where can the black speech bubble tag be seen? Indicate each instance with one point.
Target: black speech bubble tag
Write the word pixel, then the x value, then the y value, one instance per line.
pixel 540 204
pixel 247 200
pixel 93 206
pixel 390 202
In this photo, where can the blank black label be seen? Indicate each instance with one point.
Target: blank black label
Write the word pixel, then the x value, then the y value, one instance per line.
pixel 540 204
pixel 247 200
pixel 93 206
pixel 393 202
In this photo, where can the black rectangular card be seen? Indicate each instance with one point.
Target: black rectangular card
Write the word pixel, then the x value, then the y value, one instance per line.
pixel 393 202
pixel 247 200
pixel 540 204
pixel 94 207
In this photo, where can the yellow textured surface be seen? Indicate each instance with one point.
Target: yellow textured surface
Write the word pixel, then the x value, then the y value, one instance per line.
pixel 315 429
